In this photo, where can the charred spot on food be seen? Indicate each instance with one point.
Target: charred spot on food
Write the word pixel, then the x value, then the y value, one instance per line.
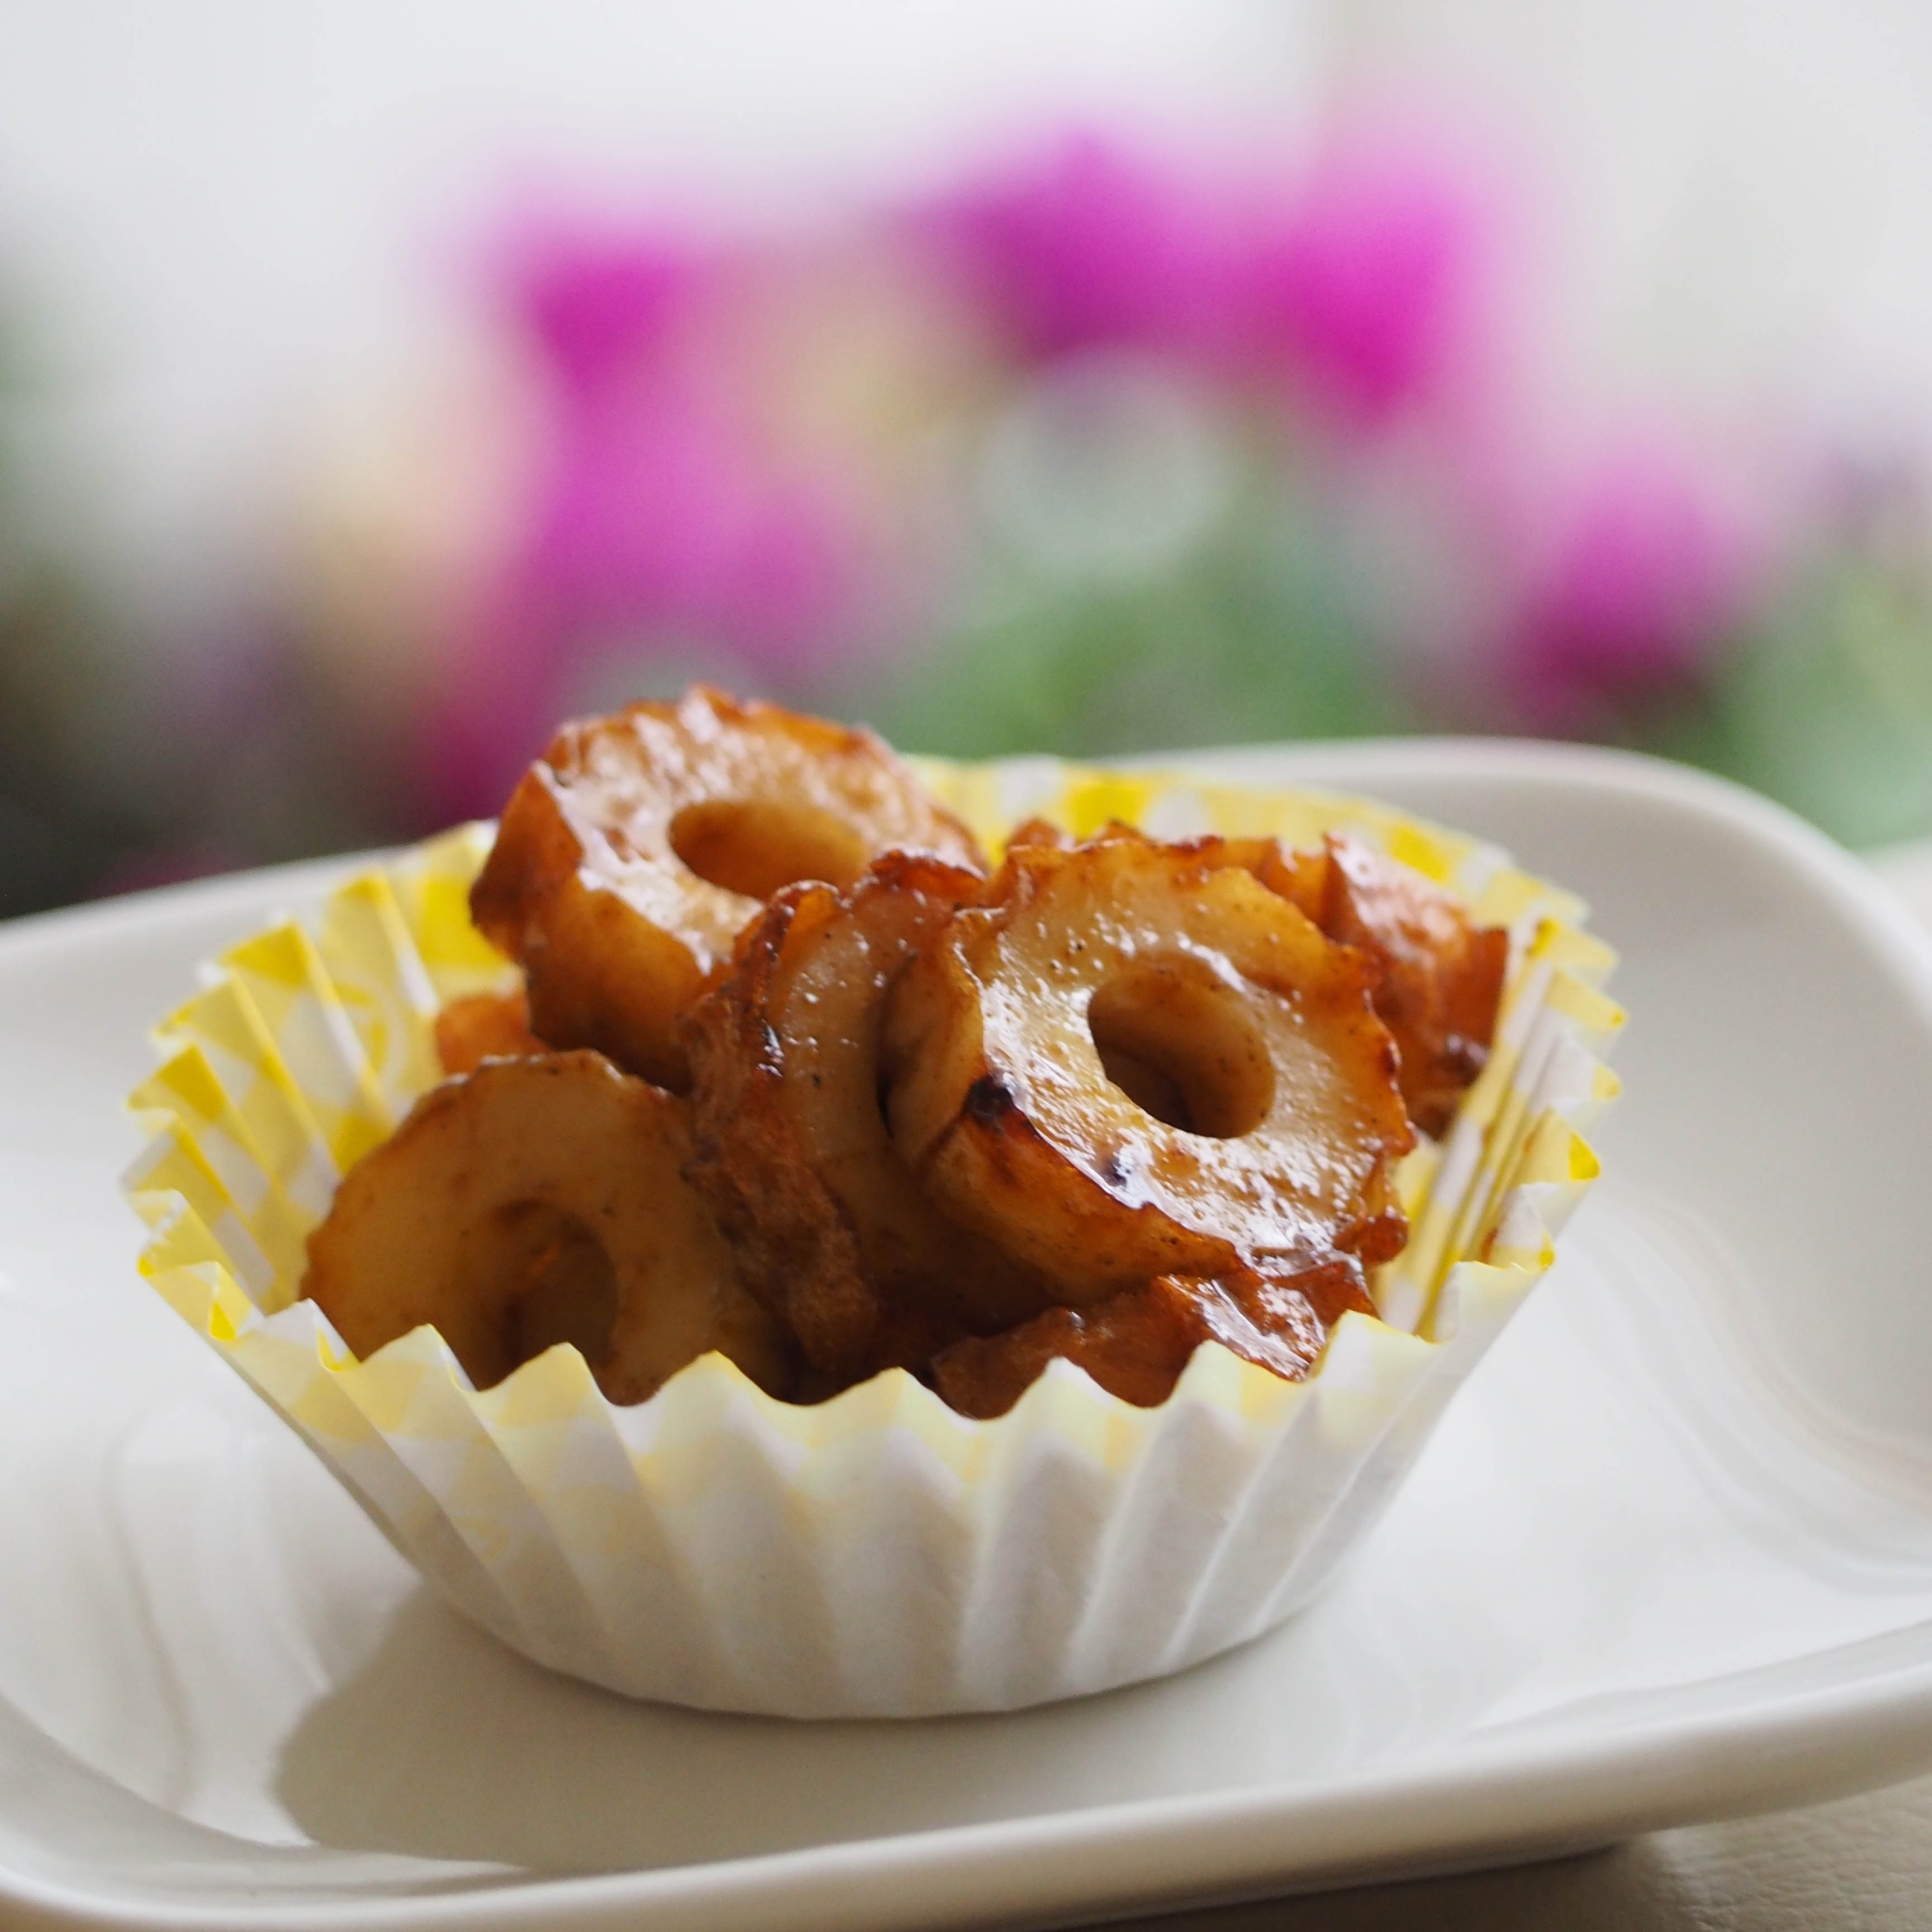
pixel 991 1099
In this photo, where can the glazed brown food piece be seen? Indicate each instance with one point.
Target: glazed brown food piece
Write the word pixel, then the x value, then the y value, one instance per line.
pixel 1040 831
pixel 485 1026
pixel 828 1226
pixel 1136 1344
pixel 535 1202
pixel 1220 1000
pixel 637 848
pixel 1439 977
pixel 1436 978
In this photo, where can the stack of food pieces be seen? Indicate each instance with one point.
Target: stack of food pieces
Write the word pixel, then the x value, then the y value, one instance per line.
pixel 796 1075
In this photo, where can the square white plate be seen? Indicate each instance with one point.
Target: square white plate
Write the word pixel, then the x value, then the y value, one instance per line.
pixel 1670 1555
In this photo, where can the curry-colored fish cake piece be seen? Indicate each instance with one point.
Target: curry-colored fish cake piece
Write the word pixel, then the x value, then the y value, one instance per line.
pixel 1439 977
pixel 635 850
pixel 1136 1344
pixel 534 1201
pixel 1252 1114
pixel 1436 977
pixel 829 1227
pixel 477 1027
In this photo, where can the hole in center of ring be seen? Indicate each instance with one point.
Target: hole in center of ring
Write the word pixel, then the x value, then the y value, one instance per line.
pixel 754 846
pixel 566 1290
pixel 1183 1043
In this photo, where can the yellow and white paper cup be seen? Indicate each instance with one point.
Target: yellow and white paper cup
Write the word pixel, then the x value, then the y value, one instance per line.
pixel 876 1555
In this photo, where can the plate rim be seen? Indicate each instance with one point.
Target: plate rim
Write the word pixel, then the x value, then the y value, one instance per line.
pixel 1486 1799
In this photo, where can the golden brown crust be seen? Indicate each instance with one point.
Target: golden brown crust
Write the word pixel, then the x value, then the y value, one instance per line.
pixel 532 1202
pixel 1436 978
pixel 828 1226
pixel 485 1026
pixel 1136 1344
pixel 995 1047
pixel 635 850
pixel 1439 977
pixel 1039 832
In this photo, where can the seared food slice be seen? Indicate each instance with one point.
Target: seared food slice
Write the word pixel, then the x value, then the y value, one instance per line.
pixel 485 1026
pixel 1439 977
pixel 1136 1344
pixel 534 1202
pixel 1132 1063
pixel 829 1227
pixel 1435 977
pixel 636 849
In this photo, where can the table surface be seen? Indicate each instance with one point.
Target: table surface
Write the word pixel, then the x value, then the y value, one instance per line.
pixel 1861 1864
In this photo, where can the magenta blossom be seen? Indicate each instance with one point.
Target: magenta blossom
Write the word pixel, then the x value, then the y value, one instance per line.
pixel 659 515
pixel 1368 281
pixel 1646 572
pixel 593 308
pixel 661 507
pixel 1095 246
pixel 1357 280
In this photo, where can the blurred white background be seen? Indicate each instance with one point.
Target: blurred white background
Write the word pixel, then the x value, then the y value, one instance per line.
pixel 242 216
pixel 262 456
pixel 237 219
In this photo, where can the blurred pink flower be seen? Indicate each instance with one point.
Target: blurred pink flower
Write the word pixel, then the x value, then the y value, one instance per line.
pixel 661 507
pixel 1646 569
pixel 1368 281
pixel 1358 278
pixel 1093 245
pixel 657 517
pixel 594 307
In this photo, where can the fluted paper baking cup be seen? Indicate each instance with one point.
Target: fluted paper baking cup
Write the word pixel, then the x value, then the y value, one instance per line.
pixel 876 1555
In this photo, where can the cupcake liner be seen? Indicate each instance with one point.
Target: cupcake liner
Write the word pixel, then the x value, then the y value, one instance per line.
pixel 876 1555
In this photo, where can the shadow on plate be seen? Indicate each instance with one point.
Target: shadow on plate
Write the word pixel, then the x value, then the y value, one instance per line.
pixel 448 1745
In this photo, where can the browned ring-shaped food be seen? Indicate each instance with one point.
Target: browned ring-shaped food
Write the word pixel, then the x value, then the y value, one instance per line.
pixel 1136 1344
pixel 1439 976
pixel 829 1227
pixel 534 1202
pixel 636 849
pixel 475 1027
pixel 1435 976
pixel 1217 999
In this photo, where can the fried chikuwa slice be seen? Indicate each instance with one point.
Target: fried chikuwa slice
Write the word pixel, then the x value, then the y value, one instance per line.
pixel 1136 1344
pixel 1268 1116
pixel 829 1227
pixel 477 1027
pixel 1439 977
pixel 1435 977
pixel 534 1202
pixel 636 849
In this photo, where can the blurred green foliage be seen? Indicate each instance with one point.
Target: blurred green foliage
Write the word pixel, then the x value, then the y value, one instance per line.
pixel 1253 637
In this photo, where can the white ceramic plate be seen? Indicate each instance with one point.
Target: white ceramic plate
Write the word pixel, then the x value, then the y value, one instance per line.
pixel 1669 1556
